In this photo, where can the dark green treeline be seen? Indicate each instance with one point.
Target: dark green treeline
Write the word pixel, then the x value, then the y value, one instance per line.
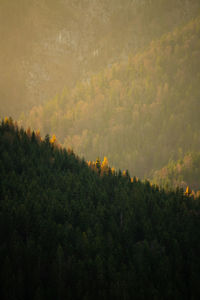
pixel 70 232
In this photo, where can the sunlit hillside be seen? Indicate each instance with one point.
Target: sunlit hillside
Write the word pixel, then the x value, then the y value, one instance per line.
pixel 48 44
pixel 182 173
pixel 139 113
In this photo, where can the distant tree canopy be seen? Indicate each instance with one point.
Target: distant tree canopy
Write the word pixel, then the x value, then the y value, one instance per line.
pixel 69 231
pixel 140 113
pixel 59 42
pixel 183 173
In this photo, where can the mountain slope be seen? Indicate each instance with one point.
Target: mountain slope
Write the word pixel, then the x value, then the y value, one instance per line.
pixel 58 42
pixel 182 173
pixel 70 232
pixel 139 114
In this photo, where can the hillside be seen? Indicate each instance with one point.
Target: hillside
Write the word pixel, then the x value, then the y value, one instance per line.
pixel 71 232
pixel 57 43
pixel 139 113
pixel 182 173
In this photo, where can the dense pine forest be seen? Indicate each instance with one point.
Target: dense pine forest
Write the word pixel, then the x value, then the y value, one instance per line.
pixel 73 231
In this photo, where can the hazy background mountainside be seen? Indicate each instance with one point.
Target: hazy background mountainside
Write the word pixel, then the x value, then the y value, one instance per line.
pixel 182 173
pixel 138 113
pixel 48 44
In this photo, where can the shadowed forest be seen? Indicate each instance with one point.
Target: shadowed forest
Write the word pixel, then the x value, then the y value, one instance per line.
pixel 70 231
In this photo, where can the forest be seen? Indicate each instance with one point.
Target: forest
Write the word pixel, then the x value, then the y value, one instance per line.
pixel 72 231
pixel 47 45
pixel 182 173
pixel 100 149
pixel 140 113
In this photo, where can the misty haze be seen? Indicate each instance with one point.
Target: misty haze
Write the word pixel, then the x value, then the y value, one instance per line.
pixel 100 149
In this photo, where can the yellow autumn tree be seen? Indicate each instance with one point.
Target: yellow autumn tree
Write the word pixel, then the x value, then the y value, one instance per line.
pixel 89 163
pixel 188 191
pixel 104 162
pixel 6 120
pixel 9 121
pixel 124 173
pixel 53 139
pixel 104 165
pixel 54 142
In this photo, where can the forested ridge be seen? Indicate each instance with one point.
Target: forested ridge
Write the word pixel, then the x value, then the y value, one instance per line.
pixel 70 231
pixel 57 43
pixel 182 173
pixel 138 113
pixel 104 92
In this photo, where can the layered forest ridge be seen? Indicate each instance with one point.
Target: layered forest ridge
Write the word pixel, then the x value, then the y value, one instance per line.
pixel 70 231
pixel 104 92
pixel 182 173
pixel 140 113
pixel 57 43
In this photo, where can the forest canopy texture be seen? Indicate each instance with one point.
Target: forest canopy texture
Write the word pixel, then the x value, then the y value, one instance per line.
pixel 70 231
pixel 140 113
pixel 49 44
pixel 98 87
